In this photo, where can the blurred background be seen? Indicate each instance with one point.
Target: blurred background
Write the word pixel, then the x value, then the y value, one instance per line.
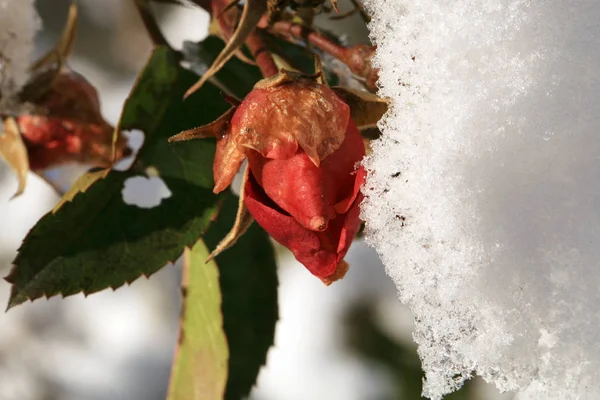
pixel 349 341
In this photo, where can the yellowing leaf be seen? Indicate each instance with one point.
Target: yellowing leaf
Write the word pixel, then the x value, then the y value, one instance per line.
pixel 200 368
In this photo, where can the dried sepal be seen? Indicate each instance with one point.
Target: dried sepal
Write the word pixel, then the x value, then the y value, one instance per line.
pixel 62 50
pixel 315 118
pixel 284 76
pixel 366 108
pixel 243 220
pixel 14 152
pixel 215 129
pixel 252 13
pixel 223 23
pixel 46 69
pixel 319 71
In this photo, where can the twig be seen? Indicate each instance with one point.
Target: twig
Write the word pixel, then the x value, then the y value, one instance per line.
pixel 261 54
pixel 357 58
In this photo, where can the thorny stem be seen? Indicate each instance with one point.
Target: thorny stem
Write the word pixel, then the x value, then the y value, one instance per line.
pixel 357 58
pixel 261 54
pixel 291 32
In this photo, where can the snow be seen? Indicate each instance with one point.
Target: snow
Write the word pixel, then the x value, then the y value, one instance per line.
pixel 19 22
pixel 483 195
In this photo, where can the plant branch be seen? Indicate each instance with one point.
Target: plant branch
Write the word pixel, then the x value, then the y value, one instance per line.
pixel 292 32
pixel 261 54
pixel 357 58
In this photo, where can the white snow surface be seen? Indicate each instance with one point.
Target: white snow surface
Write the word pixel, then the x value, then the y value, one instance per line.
pixel 19 23
pixel 483 193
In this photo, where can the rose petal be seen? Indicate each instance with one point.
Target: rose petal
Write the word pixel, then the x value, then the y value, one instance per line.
pixel 304 243
pixel 341 165
pixel 307 192
pixel 297 186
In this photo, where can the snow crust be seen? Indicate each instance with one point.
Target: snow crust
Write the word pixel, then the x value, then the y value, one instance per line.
pixel 19 22
pixel 483 194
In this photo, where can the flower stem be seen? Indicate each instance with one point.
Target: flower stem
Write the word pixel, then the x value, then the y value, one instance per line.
pixel 291 32
pixel 357 58
pixel 261 54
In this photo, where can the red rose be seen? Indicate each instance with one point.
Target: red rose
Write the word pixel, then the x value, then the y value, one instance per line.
pixel 312 210
pixel 303 151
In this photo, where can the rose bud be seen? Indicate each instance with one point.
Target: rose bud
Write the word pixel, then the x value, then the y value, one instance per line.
pixel 55 117
pixel 303 150
pixel 69 127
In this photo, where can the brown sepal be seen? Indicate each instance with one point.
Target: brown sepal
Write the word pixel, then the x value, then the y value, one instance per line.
pixel 284 76
pixel 215 129
pixel 64 47
pixel 366 108
pixel 315 118
pixel 14 152
pixel 243 220
pixel 252 13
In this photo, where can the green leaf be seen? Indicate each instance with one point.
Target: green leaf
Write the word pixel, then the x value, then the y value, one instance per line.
pixel 94 240
pixel 200 368
pixel 248 278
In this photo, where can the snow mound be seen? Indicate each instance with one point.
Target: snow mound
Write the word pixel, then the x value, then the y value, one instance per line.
pixel 19 22
pixel 483 194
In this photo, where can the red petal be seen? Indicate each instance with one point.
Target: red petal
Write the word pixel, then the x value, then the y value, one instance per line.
pixel 297 186
pixel 304 243
pixel 341 166
pixel 310 193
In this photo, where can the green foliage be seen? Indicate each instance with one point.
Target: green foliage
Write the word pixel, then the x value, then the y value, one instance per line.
pixel 92 240
pixel 200 368
pixel 96 241
pixel 248 280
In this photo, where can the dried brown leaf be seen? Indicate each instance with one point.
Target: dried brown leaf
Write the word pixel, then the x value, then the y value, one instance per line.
pixel 14 152
pixel 366 108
